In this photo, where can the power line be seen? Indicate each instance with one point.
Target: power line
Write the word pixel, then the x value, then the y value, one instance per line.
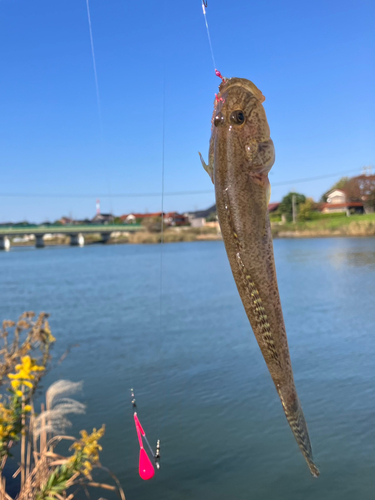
pixel 311 179
pixel 158 194
pixel 117 195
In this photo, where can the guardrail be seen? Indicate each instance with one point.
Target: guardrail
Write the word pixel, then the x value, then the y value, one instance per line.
pixel 76 232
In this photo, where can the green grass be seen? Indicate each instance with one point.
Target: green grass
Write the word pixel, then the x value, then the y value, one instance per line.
pixel 353 225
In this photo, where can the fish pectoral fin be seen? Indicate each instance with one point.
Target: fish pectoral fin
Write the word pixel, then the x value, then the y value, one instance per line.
pixel 268 197
pixel 208 168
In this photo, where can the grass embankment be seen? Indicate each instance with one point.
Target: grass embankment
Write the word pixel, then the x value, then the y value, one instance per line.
pixel 171 235
pixel 355 225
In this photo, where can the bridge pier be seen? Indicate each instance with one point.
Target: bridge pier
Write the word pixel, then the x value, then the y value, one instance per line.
pixel 105 237
pixel 77 240
pixel 39 241
pixel 4 243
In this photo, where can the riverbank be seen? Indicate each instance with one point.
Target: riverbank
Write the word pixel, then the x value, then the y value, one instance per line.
pixel 171 235
pixel 355 225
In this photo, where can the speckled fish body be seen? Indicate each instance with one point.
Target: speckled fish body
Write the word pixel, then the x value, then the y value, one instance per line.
pixel 240 156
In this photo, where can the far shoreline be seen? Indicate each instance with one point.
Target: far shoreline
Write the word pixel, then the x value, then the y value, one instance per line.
pixel 148 238
pixel 356 226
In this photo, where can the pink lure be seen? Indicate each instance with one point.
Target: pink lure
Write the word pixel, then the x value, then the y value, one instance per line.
pixel 146 469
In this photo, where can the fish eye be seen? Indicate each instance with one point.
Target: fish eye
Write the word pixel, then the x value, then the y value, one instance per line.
pixel 219 119
pixel 237 117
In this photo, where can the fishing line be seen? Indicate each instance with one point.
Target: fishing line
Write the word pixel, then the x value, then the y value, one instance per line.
pixel 98 99
pixel 146 469
pixel 94 65
pixel 162 210
pixel 162 408
pixel 204 6
pixel 159 425
pixel 102 195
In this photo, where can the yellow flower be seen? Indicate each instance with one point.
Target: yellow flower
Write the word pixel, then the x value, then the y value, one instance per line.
pixel 7 422
pixel 87 468
pixel 24 374
pixel 27 408
pixel 47 330
pixel 87 449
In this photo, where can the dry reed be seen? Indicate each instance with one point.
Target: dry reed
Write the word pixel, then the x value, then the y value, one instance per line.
pixel 44 473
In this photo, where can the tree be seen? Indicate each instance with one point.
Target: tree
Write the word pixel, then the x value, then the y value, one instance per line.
pixel 118 220
pixel 152 224
pixel 212 217
pixel 362 188
pixel 306 209
pixel 338 185
pixel 286 205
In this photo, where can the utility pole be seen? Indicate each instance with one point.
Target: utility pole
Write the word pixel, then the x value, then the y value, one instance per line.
pixel 294 208
pixel 367 170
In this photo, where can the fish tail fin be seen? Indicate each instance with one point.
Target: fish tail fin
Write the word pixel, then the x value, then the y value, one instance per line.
pixel 296 419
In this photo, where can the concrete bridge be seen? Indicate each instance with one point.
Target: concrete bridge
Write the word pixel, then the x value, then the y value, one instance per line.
pixel 76 233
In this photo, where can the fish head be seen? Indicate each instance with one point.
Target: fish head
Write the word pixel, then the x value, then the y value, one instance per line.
pixel 240 131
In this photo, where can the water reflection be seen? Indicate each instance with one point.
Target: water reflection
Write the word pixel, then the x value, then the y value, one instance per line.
pixel 339 252
pixel 354 259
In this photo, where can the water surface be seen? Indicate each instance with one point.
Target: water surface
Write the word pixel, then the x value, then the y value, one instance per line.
pixel 201 383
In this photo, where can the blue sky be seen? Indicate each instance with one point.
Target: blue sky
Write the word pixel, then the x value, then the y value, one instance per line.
pixel 314 62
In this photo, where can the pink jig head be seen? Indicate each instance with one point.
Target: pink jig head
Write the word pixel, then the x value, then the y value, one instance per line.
pixel 217 73
pixel 223 80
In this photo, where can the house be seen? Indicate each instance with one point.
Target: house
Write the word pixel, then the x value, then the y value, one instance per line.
pixel 103 219
pixel 272 207
pixel 337 201
pixel 65 221
pixel 128 219
pixel 170 218
pixel 197 221
pixel 136 218
pixel 175 219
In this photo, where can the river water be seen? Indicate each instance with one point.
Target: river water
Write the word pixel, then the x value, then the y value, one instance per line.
pixel 201 384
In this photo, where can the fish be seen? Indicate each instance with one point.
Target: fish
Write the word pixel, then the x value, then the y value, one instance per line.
pixel 241 154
